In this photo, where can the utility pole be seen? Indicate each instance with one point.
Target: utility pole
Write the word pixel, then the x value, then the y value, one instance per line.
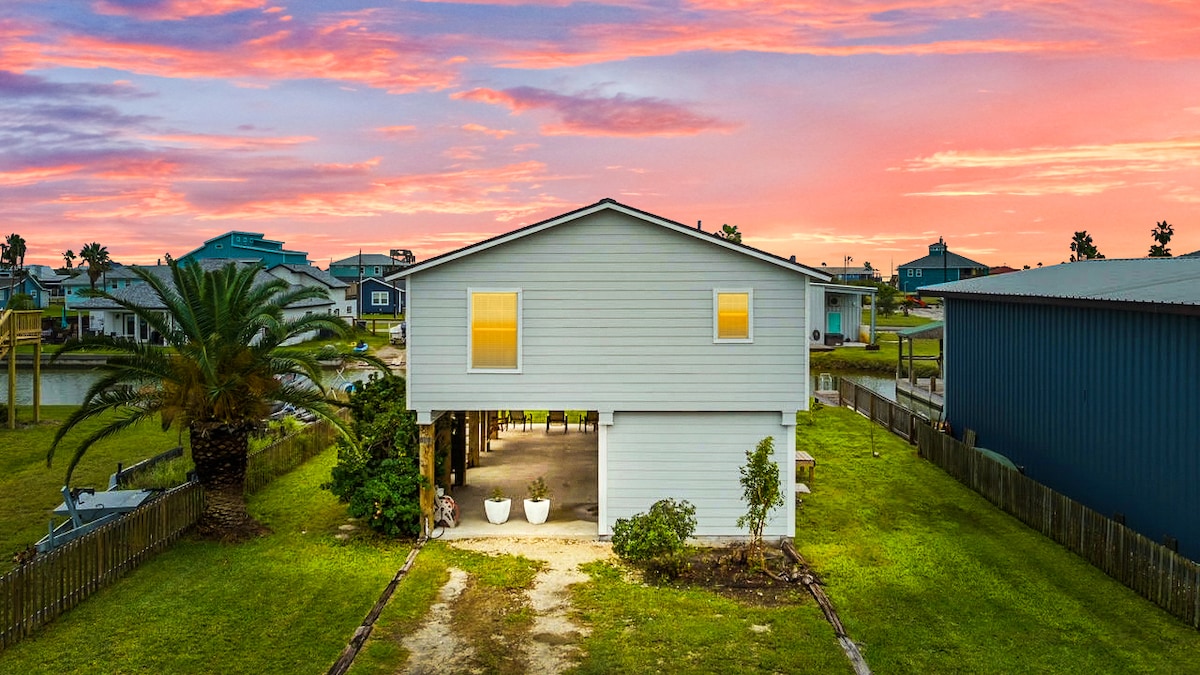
pixel 358 315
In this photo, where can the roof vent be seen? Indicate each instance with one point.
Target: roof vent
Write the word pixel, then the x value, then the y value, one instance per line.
pixel 793 258
pixel 698 225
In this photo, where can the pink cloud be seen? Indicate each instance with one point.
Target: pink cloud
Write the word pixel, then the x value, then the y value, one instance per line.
pixel 343 49
pixel 494 133
pixel 594 115
pixel 173 10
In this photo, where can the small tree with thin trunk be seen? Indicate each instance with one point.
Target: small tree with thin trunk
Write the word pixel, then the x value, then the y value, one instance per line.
pixel 762 491
pixel 1162 234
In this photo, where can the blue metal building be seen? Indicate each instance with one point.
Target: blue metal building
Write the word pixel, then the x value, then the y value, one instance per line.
pixel 1087 376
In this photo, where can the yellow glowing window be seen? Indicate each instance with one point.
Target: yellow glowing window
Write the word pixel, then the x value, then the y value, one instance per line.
pixel 732 315
pixel 494 330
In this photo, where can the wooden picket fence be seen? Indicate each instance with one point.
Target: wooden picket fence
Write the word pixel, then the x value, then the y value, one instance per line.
pixel 36 593
pixel 891 415
pixel 1152 570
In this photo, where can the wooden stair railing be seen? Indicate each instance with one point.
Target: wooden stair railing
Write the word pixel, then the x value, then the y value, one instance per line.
pixel 21 328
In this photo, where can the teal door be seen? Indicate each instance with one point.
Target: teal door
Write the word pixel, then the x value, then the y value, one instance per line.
pixel 835 322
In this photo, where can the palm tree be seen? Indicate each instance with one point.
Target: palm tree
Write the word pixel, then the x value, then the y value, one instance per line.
pixel 14 259
pixel 68 257
pixel 217 377
pixel 96 256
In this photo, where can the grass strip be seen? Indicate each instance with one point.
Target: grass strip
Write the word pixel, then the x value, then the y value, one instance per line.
pixel 930 577
pixel 284 603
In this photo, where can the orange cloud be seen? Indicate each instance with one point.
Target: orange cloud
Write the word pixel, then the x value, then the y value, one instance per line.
pixel 494 133
pixel 38 174
pixel 225 142
pixel 1072 170
pixel 173 10
pixel 594 115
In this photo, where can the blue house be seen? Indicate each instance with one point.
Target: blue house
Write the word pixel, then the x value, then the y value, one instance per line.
pixel 941 265
pixel 115 278
pixel 380 297
pixel 1085 376
pixel 29 284
pixel 369 266
pixel 246 246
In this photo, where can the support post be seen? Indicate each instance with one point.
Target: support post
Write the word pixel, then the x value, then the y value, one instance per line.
pixel 12 371
pixel 473 438
pixel 37 381
pixel 428 487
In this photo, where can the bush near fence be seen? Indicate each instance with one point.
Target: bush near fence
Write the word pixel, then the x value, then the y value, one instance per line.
pixel 36 593
pixel 1150 569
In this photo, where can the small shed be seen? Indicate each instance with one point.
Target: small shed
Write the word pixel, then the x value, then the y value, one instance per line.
pixel 1085 375
pixel 835 311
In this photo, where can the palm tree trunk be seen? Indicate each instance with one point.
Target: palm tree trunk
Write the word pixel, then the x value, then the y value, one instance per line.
pixel 219 452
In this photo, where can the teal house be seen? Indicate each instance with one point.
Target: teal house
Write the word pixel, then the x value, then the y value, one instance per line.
pixel 940 266
pixel 247 246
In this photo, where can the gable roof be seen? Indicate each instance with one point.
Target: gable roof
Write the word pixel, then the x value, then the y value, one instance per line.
pixel 314 272
pixel 368 259
pixel 1169 285
pixel 372 281
pixel 607 204
pixel 143 295
pixel 953 261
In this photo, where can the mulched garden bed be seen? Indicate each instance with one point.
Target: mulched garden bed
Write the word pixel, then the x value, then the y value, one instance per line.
pixel 724 571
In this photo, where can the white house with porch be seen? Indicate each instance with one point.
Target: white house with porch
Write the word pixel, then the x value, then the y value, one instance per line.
pixel 690 348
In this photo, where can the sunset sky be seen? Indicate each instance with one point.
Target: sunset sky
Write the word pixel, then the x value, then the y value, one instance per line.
pixel 823 129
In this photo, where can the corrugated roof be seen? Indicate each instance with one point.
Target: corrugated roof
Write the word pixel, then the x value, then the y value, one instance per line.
pixel 1161 283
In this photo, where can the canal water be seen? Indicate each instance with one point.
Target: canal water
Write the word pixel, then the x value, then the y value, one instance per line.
pixel 67 386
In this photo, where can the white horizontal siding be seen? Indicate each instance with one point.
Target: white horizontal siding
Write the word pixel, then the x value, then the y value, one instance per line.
pixel 692 456
pixel 617 315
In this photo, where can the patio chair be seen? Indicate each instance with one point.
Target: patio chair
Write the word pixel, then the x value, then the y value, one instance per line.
pixel 557 417
pixel 590 418
pixel 516 417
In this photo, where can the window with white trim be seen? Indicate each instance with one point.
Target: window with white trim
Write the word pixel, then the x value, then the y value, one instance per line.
pixel 733 315
pixel 918 272
pixel 494 335
pixel 380 298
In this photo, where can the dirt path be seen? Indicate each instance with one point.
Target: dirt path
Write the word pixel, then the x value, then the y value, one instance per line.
pixel 434 647
pixel 552 644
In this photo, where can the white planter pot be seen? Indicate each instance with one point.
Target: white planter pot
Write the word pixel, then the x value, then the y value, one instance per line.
pixel 537 512
pixel 497 511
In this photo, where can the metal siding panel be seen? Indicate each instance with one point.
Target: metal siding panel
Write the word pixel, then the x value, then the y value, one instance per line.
pixel 617 315
pixel 1102 406
pixel 692 456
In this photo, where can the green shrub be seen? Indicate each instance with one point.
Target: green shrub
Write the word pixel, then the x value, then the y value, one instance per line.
pixel 655 541
pixel 379 475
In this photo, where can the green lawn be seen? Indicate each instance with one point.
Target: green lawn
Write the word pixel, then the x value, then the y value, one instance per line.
pixel 29 489
pixel 929 577
pixel 881 361
pixel 897 319
pixel 286 603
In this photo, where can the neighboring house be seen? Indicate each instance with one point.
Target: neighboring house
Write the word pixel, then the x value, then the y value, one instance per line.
pixel 307 275
pixel 380 297
pixel 117 277
pixel 1085 375
pixel 690 348
pixel 835 314
pixel 29 284
pixel 368 266
pixel 246 246
pixel 847 274
pixel 113 319
pixel 939 266
pixel 1001 269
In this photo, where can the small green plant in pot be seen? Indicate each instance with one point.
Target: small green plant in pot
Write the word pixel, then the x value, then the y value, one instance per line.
pixel 497 507
pixel 537 506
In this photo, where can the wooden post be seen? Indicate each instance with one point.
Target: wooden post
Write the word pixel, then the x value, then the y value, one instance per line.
pixel 428 489
pixel 473 438
pixel 37 380
pixel 12 371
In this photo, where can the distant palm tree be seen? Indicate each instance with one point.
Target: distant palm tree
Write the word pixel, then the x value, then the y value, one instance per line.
pixel 14 259
pixel 220 372
pixel 96 256
pixel 68 257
